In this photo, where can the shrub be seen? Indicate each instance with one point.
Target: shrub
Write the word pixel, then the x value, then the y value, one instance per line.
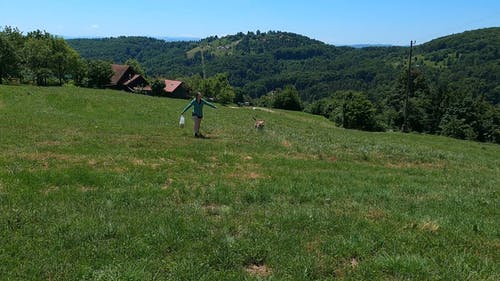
pixel 288 99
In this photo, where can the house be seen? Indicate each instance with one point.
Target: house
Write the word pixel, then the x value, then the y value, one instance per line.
pixel 125 78
pixel 176 89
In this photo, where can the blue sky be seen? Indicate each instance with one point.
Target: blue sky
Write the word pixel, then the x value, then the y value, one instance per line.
pixel 336 22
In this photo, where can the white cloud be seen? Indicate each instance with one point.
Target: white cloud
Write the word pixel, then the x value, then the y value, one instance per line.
pixel 95 26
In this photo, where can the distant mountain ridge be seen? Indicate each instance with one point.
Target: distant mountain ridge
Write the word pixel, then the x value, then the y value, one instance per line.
pixel 164 38
pixel 359 46
pixel 177 39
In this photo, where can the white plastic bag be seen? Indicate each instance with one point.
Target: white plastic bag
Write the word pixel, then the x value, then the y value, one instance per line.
pixel 182 121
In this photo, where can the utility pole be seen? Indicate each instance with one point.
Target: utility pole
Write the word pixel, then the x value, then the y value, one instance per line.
pixel 407 92
pixel 203 70
pixel 203 62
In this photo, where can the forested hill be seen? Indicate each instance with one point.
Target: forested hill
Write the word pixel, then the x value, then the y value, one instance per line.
pixel 256 62
pixel 261 62
pixel 470 60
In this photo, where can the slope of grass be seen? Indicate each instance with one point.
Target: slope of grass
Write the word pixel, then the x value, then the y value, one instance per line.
pixel 103 185
pixel 217 48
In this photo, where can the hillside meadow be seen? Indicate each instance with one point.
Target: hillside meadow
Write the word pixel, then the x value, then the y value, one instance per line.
pixel 104 185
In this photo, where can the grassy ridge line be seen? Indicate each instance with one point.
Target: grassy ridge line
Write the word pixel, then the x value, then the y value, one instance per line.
pixel 104 185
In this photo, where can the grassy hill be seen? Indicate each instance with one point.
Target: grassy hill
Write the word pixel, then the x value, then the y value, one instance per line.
pixel 103 185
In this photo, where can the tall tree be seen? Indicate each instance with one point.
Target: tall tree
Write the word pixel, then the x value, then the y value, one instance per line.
pixel 11 44
pixel 136 66
pixel 79 72
pixel 224 93
pixel 63 59
pixel 37 55
pixel 8 58
pixel 287 98
pixel 99 73
pixel 419 101
pixel 357 112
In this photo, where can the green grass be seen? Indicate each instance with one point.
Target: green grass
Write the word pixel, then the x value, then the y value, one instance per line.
pixel 103 185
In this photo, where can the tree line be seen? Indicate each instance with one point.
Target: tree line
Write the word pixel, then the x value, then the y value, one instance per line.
pixel 43 59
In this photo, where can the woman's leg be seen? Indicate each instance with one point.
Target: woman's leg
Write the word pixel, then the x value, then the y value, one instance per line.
pixel 197 122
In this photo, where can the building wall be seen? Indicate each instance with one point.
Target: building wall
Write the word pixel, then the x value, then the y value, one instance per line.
pixel 179 93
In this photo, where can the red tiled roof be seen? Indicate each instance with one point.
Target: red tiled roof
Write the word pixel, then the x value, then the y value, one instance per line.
pixel 118 71
pixel 171 85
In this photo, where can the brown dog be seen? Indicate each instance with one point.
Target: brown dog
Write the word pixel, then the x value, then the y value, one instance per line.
pixel 259 124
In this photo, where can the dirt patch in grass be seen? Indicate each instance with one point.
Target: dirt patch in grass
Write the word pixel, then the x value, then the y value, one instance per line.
pixel 332 159
pixel 50 189
pixel 346 266
pixel 212 209
pixel 154 165
pixel 138 162
pixel 43 159
pixel 426 225
pixel 215 210
pixel 286 144
pixel 142 162
pixel 302 156
pixel 413 165
pixel 354 262
pixel 253 175
pixel 430 226
pixel 44 156
pixel 245 175
pixel 247 171
pixel 49 143
pixel 258 270
pixel 128 139
pixel 292 155
pixel 495 243
pixel 375 214
pixel 119 170
pixel 314 246
pixel 86 188
pixel 167 184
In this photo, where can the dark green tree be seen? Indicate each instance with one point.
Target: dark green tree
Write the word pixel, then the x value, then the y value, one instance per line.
pixel 9 61
pixel 288 99
pixel 357 112
pixel 79 72
pixel 194 83
pixel 99 73
pixel 419 106
pixel 224 93
pixel 136 66
pixel 158 87
pixel 471 118
pixel 63 59
pixel 37 54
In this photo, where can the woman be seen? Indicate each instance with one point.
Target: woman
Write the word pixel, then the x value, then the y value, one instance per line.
pixel 197 104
